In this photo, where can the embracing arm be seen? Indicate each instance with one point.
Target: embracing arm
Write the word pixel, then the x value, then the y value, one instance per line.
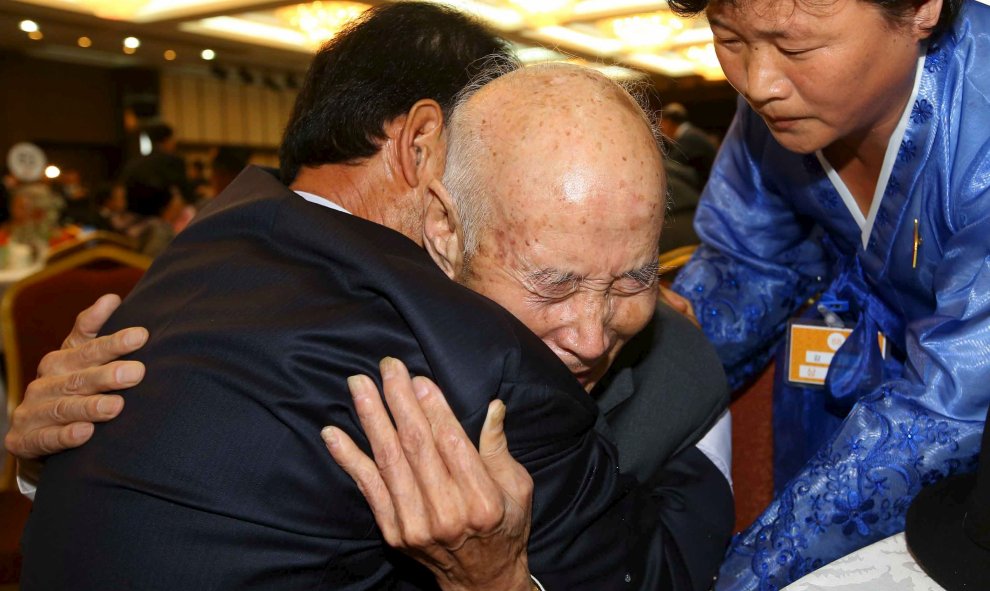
pixel 71 392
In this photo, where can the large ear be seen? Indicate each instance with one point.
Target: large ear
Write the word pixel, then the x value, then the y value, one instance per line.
pixel 421 147
pixel 926 17
pixel 442 234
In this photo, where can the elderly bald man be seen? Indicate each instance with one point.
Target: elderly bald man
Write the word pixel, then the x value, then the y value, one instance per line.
pixel 447 247
pixel 542 163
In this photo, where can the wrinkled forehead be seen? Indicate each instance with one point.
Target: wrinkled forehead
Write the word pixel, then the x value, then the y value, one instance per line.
pixel 774 10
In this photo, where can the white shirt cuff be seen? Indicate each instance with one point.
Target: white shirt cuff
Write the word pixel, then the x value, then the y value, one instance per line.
pixel 28 475
pixel 717 445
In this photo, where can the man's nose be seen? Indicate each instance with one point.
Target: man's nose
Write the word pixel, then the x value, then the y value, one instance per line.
pixel 588 336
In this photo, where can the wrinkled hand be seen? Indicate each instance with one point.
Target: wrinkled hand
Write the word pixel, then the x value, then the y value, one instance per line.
pixel 62 403
pixel 679 303
pixel 463 514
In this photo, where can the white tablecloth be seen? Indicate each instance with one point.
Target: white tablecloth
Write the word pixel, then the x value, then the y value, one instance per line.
pixel 11 276
pixel 884 566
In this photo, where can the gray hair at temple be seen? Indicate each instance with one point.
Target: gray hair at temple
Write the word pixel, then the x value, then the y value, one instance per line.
pixel 466 153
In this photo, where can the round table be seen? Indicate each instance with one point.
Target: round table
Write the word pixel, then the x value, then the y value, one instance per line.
pixel 884 566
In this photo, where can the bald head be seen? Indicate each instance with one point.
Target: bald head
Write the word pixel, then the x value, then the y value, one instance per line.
pixel 542 126
pixel 556 174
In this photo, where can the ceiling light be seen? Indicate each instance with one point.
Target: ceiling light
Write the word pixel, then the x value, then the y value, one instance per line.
pixel 129 50
pixel 132 42
pixel 84 42
pixel 577 40
pixel 705 61
pixel 208 54
pixel 28 26
pixel 543 6
pixel 536 55
pixel 320 21
pixel 644 31
pixel 52 171
pixel 116 9
pixel 169 55
pixel 249 31
pixel 542 13
pixel 35 36
pixel 661 64
pixel 589 9
pixel 501 17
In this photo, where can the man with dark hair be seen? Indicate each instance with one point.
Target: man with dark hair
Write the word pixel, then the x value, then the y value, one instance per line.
pixel 355 83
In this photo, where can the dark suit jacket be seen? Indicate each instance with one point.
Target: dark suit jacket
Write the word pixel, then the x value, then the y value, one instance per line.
pixel 215 476
pixel 664 391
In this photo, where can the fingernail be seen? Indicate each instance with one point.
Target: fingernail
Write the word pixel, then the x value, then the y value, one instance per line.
pixel 420 389
pixel 329 435
pixel 135 337
pixel 387 367
pixel 358 385
pixel 129 374
pixel 109 405
pixel 81 430
pixel 498 410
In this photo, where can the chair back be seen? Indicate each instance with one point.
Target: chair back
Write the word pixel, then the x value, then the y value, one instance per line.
pixel 37 312
pixel 672 261
pixel 87 241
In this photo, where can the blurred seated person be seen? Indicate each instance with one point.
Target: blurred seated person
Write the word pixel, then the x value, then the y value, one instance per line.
pixel 686 143
pixel 227 164
pixel 111 206
pixel 81 208
pixel 33 221
pixel 156 209
pixel 198 183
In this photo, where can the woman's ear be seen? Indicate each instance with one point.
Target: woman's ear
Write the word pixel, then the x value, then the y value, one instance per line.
pixel 926 17
pixel 421 147
pixel 442 234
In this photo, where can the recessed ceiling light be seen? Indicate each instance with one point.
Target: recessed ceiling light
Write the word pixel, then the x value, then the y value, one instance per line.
pixel 35 35
pixel 129 50
pixel 169 55
pixel 208 54
pixel 28 26
pixel 84 42
pixel 52 171
pixel 132 42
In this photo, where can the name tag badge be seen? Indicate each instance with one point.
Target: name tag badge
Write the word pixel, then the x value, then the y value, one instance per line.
pixel 810 348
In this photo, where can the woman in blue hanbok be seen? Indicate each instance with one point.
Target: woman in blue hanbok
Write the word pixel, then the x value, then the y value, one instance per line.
pixel 857 171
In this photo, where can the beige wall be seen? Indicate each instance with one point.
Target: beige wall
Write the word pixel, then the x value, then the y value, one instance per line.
pixel 206 110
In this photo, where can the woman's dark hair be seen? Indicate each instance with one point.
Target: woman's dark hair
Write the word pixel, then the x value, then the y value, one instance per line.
pixel 895 10
pixel 376 69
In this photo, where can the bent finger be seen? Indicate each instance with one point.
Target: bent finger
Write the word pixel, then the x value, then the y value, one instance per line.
pixel 510 475
pixel 95 352
pixel 415 431
pixel 103 379
pixel 44 442
pixel 91 320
